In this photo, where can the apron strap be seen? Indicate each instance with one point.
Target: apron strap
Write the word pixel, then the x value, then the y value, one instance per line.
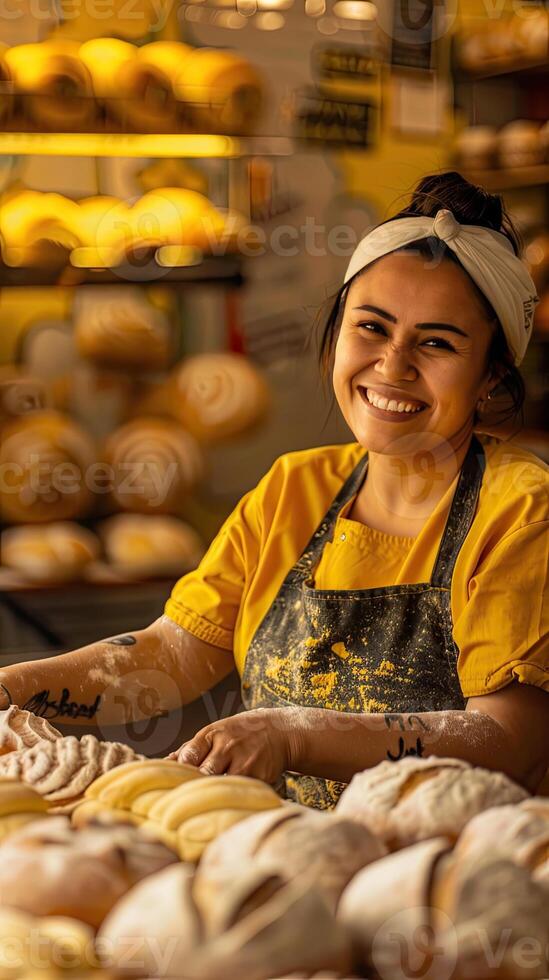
pixel 462 512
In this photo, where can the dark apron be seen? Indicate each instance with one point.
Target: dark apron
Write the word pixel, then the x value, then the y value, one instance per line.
pixel 362 650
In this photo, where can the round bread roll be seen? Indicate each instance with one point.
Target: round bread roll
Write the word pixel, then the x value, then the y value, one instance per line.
pixel 61 770
pixel 415 799
pixel 121 329
pixel 269 929
pixel 143 546
pixel 53 86
pixel 49 553
pixel 291 842
pixel 520 144
pixel 103 229
pixel 219 395
pixel 519 833
pixel 223 92
pixel 19 805
pixel 155 465
pixel 36 229
pixel 178 216
pixel 20 393
pixel 21 729
pixel 194 813
pixel 44 456
pixel 55 942
pixel 6 87
pixel 477 147
pixel 536 257
pixel 149 81
pixel 50 868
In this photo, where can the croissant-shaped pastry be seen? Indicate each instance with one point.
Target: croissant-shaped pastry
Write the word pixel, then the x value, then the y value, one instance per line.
pixel 20 729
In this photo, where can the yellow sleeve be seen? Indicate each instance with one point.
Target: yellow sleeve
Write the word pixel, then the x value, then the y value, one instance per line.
pixel 503 632
pixel 206 601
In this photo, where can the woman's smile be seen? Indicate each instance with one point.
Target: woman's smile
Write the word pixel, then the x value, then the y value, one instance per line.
pixel 390 409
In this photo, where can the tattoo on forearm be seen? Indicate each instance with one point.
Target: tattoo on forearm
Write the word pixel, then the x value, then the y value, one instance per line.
pixel 40 704
pixel 403 751
pixel 405 722
pixel 127 640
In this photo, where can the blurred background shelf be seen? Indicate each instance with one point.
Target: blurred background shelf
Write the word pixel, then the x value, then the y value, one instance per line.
pixel 507 179
pixel 211 271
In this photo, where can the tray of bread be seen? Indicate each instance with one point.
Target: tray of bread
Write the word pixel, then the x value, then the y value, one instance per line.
pixel 116 865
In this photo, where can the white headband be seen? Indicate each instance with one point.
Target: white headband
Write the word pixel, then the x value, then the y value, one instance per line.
pixel 486 255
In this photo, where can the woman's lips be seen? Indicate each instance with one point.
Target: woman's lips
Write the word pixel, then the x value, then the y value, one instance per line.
pixel 387 414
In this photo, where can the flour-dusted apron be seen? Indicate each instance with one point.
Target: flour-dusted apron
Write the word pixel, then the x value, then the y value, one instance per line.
pixel 362 650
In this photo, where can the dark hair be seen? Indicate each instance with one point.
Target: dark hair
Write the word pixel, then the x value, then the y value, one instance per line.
pixel 472 205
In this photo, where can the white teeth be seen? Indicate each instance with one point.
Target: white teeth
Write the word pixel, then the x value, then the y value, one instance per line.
pixel 379 401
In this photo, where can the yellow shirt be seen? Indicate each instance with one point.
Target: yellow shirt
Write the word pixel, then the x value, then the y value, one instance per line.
pixel 499 586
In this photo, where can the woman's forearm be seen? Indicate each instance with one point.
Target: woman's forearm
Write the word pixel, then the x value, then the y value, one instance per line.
pixel 336 745
pixel 137 675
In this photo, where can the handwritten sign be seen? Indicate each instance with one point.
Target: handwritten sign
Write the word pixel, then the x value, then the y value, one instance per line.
pixel 319 117
pixel 343 62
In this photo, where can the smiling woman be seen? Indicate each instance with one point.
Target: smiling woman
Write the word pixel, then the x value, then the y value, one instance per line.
pixel 387 597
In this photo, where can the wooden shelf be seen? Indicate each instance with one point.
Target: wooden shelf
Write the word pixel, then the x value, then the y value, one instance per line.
pixel 515 177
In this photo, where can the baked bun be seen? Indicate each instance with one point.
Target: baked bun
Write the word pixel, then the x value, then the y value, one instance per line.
pixel 477 147
pixel 20 393
pixel 63 769
pixel 218 395
pixel 143 546
pixel 49 553
pixel 37 451
pixel 268 928
pixel 193 814
pixel 155 464
pixel 20 729
pixel 178 216
pixel 57 943
pixel 464 908
pixel 415 799
pixel 223 92
pixel 50 868
pixel 291 842
pixel 148 80
pixel 519 833
pixel 19 805
pixel 520 144
pixel 36 229
pixel 103 229
pixel 54 87
pixel 121 329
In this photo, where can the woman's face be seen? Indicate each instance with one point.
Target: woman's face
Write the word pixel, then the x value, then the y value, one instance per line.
pixel 413 338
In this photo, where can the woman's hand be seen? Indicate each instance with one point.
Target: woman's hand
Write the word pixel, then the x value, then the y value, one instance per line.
pixel 255 743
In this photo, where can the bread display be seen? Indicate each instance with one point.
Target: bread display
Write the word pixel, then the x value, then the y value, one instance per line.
pixel 268 928
pixel 505 44
pixel 423 798
pixel 55 942
pixel 19 805
pixel 50 553
pixel 142 546
pixel 75 872
pixel 218 396
pixel 45 456
pixel 461 910
pixel 53 86
pixel 520 144
pixel 477 147
pixel 519 833
pixel 20 393
pixel 155 464
pixel 61 770
pixel 21 729
pixel 290 841
pixel 121 329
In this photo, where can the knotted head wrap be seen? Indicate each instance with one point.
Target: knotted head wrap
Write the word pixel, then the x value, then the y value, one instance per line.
pixel 486 255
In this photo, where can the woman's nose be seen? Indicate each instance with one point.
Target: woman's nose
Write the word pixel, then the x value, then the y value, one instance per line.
pixel 395 363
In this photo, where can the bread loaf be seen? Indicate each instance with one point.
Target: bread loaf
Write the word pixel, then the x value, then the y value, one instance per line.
pixel 19 805
pixel 61 770
pixel 21 729
pixel 45 457
pixel 416 799
pixel 36 229
pixel 219 395
pixel 53 85
pixel 147 545
pixel 148 80
pixel 223 92
pixel 155 465
pixel 54 942
pixel 103 230
pixel 121 329
pixel 178 216
pixel 51 868
pixel 57 552
pixel 519 833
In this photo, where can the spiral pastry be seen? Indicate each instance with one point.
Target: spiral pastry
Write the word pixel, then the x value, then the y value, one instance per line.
pixel 62 769
pixel 21 729
pixel 123 330
pixel 52 84
pixel 150 545
pixel 155 465
pixel 44 458
pixel 217 396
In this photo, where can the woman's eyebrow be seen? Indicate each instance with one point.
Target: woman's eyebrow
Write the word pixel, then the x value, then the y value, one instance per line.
pixel 420 326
